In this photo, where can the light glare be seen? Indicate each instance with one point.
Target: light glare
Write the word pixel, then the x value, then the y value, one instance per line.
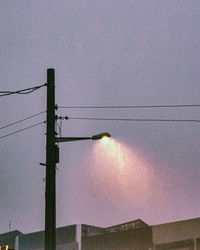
pixel 119 173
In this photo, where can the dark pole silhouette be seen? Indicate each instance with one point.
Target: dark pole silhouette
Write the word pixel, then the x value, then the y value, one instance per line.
pixel 52 157
pixel 50 192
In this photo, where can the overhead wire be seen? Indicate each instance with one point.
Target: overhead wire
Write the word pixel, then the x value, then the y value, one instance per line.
pixel 20 130
pixel 29 117
pixel 30 90
pixel 100 119
pixel 131 106
pixel 133 120
pixel 22 91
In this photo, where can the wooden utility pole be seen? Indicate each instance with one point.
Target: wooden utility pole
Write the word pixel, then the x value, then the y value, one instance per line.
pixel 50 192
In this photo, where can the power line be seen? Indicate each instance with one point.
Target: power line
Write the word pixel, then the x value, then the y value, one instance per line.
pixel 4 94
pixel 18 131
pixel 134 120
pixel 131 106
pixel 22 91
pixel 29 117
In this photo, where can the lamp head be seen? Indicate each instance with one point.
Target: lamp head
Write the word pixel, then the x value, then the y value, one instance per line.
pixel 100 136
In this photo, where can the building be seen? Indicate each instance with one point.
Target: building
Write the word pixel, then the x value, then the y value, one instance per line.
pixel 65 237
pixel 179 235
pixel 8 239
pixel 134 235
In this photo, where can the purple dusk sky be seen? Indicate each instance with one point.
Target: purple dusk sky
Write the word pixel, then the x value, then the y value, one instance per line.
pixel 116 52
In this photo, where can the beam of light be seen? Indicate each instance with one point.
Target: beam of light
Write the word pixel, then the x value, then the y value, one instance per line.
pixel 121 174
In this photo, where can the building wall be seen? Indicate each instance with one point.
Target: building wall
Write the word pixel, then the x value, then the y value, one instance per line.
pixel 178 245
pixel 87 230
pixel 176 231
pixel 65 237
pixel 139 239
pixel 135 235
pixel 9 239
pixel 67 246
pixel 126 226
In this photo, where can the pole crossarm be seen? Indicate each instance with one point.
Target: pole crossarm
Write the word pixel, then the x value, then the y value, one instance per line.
pixel 94 137
pixel 66 139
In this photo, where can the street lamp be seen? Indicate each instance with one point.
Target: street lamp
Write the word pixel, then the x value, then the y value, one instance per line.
pixel 52 156
pixel 94 137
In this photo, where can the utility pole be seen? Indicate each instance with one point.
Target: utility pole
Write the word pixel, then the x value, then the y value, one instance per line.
pixel 50 192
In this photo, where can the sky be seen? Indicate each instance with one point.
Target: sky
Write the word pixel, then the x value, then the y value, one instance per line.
pixel 105 53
